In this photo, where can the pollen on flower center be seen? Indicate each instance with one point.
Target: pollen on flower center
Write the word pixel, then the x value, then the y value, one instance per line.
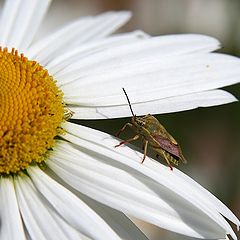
pixel 31 111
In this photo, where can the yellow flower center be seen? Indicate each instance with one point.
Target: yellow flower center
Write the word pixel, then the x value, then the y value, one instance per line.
pixel 31 111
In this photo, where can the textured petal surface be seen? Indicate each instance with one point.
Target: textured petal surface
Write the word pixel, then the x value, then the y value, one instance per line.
pixel 121 224
pixel 87 49
pixel 83 30
pixel 153 79
pixel 132 52
pixel 165 105
pixel 8 15
pixel 70 232
pixel 35 210
pixel 11 223
pixel 80 216
pixel 19 22
pixel 116 178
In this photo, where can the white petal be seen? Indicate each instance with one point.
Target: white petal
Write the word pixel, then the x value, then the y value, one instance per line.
pixel 11 223
pixel 165 105
pixel 81 31
pixel 155 79
pixel 155 47
pixel 79 215
pixel 114 181
pixel 36 17
pixel 71 232
pixel 216 203
pixel 24 18
pixel 8 15
pixel 97 137
pixel 105 24
pixel 89 134
pixel 121 224
pixel 35 212
pixel 87 49
pixel 133 194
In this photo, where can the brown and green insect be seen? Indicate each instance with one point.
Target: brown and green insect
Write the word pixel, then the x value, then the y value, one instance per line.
pixel 154 135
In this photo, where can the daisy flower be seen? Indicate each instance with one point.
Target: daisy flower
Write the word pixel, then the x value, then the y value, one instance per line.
pixel 60 180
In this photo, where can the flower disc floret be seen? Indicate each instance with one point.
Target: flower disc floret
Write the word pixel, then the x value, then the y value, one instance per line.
pixel 31 111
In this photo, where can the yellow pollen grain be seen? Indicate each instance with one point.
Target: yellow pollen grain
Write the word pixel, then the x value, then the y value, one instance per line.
pixel 31 111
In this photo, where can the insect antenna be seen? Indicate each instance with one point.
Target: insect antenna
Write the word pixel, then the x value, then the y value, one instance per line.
pixel 128 102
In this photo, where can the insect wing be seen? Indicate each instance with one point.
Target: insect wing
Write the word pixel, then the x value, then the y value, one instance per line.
pixel 167 145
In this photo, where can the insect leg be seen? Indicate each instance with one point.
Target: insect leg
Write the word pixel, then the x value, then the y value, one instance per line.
pixel 128 140
pixel 123 128
pixel 166 158
pixel 145 150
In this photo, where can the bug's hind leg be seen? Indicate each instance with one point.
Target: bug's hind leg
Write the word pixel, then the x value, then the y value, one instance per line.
pixel 145 150
pixel 166 157
pixel 127 141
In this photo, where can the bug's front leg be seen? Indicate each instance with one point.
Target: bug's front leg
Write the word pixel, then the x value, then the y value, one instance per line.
pixel 145 150
pixel 123 128
pixel 128 140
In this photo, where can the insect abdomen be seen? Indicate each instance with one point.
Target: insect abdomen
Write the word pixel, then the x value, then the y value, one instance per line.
pixel 166 155
pixel 171 158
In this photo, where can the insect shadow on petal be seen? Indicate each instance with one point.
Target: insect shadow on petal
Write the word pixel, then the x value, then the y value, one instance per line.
pixel 153 135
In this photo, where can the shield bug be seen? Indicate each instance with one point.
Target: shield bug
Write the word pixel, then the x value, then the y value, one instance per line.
pixel 153 135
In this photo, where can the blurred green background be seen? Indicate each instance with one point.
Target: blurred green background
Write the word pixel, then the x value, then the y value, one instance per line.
pixel 210 137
